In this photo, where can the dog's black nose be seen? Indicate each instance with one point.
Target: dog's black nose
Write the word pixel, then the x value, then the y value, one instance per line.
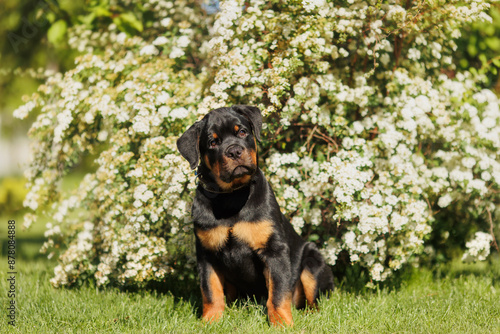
pixel 234 151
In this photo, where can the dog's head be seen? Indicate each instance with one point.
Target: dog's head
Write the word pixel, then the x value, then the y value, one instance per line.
pixel 224 144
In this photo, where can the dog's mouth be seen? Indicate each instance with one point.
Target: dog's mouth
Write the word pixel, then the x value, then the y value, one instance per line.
pixel 241 170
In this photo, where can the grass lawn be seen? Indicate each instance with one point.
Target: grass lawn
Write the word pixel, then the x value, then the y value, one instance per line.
pixel 457 298
pixel 465 300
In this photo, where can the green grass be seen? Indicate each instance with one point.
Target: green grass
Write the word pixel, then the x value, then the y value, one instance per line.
pixel 455 298
pixel 459 299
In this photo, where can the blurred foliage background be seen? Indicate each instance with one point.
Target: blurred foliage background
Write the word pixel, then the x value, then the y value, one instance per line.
pixel 34 36
pixel 479 49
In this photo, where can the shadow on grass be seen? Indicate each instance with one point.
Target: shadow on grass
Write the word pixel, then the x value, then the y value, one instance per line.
pixel 354 279
pixel 457 268
pixel 27 248
pixel 183 291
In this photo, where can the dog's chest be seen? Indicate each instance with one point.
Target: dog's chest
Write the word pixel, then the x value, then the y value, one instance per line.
pixel 254 235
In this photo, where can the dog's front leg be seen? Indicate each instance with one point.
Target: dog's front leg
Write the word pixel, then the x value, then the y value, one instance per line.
pixel 278 281
pixel 212 291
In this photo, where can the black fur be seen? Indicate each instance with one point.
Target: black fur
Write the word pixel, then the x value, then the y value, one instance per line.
pixel 244 244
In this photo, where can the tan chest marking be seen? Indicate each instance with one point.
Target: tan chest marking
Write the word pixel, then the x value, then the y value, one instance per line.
pixel 215 238
pixel 254 234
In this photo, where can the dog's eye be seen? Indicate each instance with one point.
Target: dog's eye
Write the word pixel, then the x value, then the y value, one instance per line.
pixel 213 143
pixel 242 133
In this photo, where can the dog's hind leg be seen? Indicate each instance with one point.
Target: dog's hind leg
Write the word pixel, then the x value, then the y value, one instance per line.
pixel 315 277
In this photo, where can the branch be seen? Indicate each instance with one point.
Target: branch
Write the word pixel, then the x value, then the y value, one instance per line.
pixel 491 230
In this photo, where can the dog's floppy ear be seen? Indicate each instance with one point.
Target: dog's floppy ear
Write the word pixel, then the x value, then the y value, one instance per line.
pixel 254 115
pixel 187 144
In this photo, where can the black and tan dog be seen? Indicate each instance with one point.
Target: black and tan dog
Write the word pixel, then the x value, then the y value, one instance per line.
pixel 244 244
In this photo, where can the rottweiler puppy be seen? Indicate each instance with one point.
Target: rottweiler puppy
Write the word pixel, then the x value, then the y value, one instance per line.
pixel 244 244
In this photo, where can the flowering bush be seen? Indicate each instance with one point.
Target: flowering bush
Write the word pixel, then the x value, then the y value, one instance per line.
pixel 372 141
pixel 127 100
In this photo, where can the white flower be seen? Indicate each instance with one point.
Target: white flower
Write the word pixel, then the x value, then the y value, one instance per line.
pixel 486 176
pixel 350 239
pixel 183 41
pixel 141 124
pixel 343 52
pixel 176 53
pixel 162 97
pixel 423 103
pixel 149 50
pixel 166 22
pixel 121 38
pixel 102 136
pixel 160 41
pixel 178 113
pixel 310 5
pixel 444 201
pixel 297 223
pixel 137 172
pixel 142 193
pixel 479 247
pixel 376 272
pixel 385 59
pixel 413 54
pixel 64 119
pixel 23 111
pixel 468 162
pixel 164 111
pixel 398 221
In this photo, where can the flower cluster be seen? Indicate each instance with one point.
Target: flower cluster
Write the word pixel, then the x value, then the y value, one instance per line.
pixel 385 138
pixel 128 221
pixel 478 248
pixel 371 140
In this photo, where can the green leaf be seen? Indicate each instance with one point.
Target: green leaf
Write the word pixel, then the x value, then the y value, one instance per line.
pixel 313 237
pixel 57 31
pixel 102 12
pixel 127 22
pixel 87 19
pixel 464 63
pixel 482 58
pixel 493 43
pixel 472 50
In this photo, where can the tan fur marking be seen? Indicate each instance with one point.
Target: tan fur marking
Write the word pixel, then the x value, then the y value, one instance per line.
pixel 248 157
pixel 309 284
pixel 298 295
pixel 214 135
pixel 233 184
pixel 236 128
pixel 207 162
pixel 214 307
pixel 255 234
pixel 215 238
pixel 280 315
pixel 253 155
